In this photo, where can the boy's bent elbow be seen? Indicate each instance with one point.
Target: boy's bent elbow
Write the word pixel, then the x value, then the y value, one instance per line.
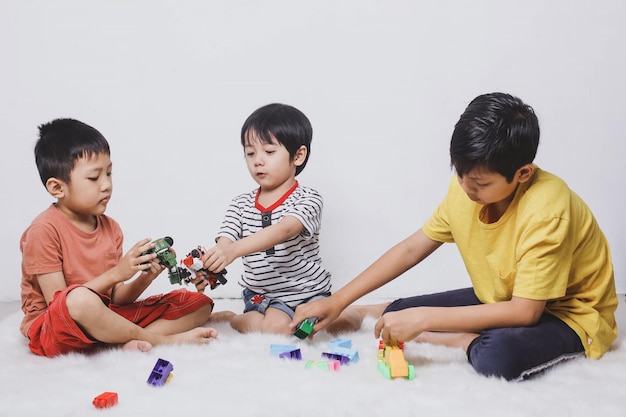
pixel 528 312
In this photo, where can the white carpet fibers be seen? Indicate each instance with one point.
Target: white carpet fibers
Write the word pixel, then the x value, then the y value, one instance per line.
pixel 237 376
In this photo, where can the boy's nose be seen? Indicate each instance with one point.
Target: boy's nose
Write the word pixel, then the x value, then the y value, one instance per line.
pixel 107 184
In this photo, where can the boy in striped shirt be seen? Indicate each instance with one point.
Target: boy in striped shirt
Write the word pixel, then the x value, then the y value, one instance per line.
pixel 275 228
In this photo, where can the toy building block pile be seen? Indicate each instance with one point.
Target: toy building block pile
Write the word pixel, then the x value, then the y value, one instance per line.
pixel 339 353
pixel 391 362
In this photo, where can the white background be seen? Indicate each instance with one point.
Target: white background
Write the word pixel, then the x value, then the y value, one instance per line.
pixel 169 84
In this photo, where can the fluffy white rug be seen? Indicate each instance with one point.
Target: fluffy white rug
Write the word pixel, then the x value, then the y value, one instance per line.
pixel 237 376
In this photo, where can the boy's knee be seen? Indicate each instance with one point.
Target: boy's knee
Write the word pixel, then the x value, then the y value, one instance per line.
pixel 80 300
pixel 205 311
pixel 496 357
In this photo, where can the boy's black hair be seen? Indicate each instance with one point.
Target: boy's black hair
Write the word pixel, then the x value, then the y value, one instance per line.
pixel 497 131
pixel 62 142
pixel 288 125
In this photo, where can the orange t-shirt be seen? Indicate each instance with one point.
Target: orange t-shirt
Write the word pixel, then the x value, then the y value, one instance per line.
pixel 52 244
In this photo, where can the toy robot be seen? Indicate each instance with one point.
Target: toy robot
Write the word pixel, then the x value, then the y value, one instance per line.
pixel 192 265
pixel 189 267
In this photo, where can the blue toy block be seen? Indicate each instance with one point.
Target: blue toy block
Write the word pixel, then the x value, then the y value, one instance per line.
pixel 276 350
pixel 352 354
pixel 339 343
pixel 160 373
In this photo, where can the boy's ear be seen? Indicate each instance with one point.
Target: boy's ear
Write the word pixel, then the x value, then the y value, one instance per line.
pixel 55 187
pixel 300 156
pixel 525 173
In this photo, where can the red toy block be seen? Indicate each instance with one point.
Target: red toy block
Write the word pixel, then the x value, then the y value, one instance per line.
pixel 105 400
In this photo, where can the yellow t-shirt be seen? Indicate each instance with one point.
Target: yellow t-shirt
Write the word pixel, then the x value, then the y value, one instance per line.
pixel 546 246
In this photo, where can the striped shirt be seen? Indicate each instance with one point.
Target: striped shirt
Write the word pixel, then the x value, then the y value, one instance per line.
pixel 292 271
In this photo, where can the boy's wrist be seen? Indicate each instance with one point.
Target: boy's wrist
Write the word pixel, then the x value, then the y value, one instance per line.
pixel 342 299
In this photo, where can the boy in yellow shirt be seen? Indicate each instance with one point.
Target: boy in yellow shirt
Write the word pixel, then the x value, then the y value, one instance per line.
pixel 543 289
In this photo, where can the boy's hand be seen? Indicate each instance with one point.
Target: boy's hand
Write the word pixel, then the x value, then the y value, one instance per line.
pixel 134 261
pixel 200 281
pixel 400 326
pixel 325 310
pixel 219 256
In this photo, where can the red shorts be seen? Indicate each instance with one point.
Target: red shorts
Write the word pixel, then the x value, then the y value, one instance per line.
pixel 55 333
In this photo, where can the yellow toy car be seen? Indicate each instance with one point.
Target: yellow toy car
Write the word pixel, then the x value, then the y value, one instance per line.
pixel 392 364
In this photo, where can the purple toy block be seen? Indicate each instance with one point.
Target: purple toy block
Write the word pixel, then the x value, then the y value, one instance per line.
pixel 160 372
pixel 293 354
pixel 335 356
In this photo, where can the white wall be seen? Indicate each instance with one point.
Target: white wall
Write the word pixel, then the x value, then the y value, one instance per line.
pixel 169 84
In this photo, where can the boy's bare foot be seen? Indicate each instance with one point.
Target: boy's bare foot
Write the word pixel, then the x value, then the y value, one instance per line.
pixel 221 316
pixel 349 320
pixel 140 345
pixel 197 336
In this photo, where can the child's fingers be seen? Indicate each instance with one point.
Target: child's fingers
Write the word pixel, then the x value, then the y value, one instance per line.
pixel 378 328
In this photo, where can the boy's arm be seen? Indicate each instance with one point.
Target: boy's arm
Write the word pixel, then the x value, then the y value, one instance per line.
pixel 392 264
pixel 225 252
pixel 405 325
pixel 122 293
pixel 50 284
pixel 128 292
pixel 134 261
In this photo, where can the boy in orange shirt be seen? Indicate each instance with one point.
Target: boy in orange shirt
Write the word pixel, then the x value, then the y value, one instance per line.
pixel 76 287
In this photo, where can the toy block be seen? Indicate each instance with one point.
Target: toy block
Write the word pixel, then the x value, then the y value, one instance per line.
pixel 341 349
pixel 105 400
pixel 351 354
pixel 337 357
pixel 392 364
pixel 161 373
pixel 304 329
pixel 276 350
pixel 331 365
pixel 341 343
pixel 293 354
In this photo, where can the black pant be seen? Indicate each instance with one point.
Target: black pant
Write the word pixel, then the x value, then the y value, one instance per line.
pixel 513 353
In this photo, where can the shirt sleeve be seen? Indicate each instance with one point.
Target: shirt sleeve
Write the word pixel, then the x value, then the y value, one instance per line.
pixel 308 210
pixel 232 225
pixel 41 250
pixel 437 227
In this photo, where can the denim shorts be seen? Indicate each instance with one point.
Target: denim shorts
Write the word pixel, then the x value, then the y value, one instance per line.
pixel 260 303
